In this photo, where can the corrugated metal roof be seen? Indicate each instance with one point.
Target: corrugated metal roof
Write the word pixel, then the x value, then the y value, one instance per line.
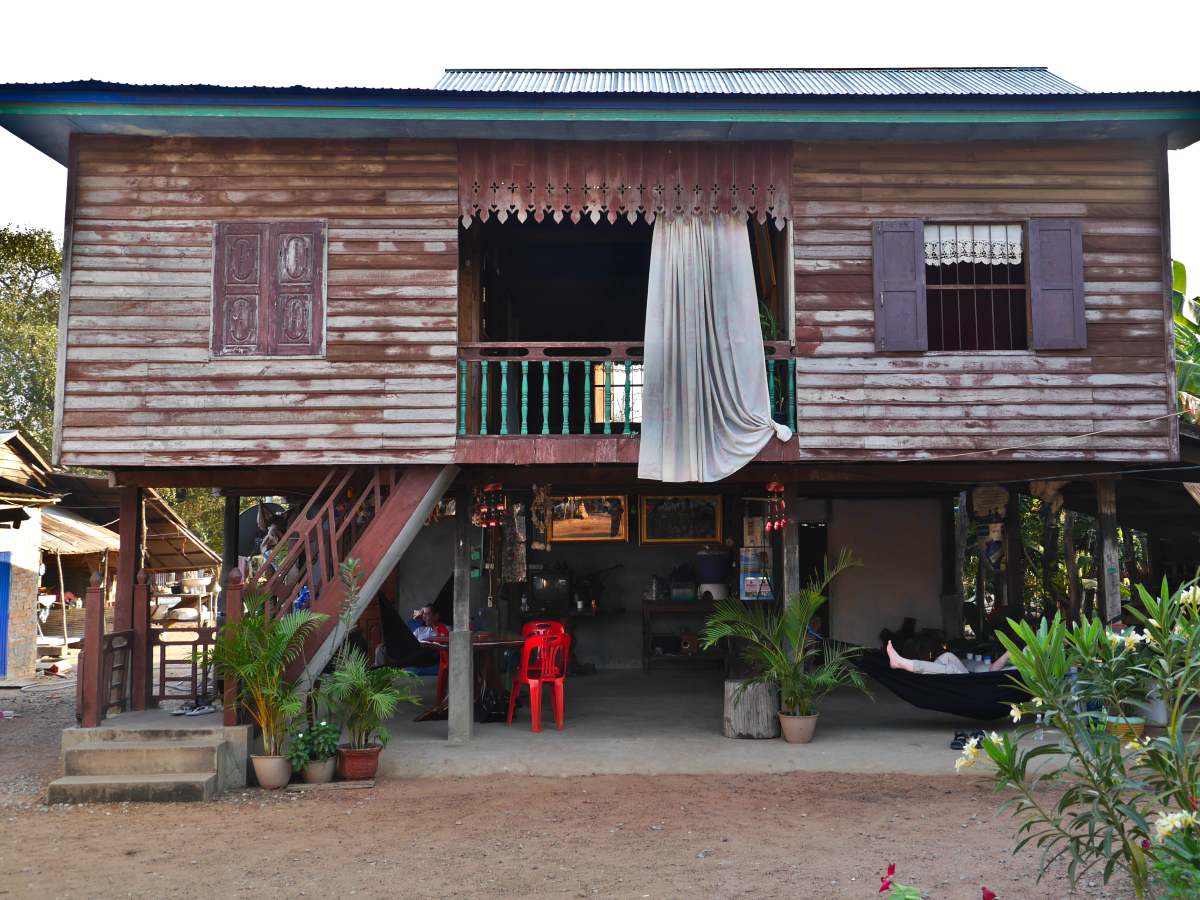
pixel 1024 81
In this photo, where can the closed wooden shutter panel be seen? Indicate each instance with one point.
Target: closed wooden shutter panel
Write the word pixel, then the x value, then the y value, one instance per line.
pixel 1056 284
pixel 269 289
pixel 239 288
pixel 899 277
pixel 296 316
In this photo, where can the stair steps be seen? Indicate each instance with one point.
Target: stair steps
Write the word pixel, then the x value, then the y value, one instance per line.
pixel 115 764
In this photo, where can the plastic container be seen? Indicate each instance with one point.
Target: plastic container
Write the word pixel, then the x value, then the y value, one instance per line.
pixel 712 566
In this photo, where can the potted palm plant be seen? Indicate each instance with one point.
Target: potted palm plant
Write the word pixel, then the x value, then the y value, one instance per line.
pixel 366 697
pixel 783 651
pixel 255 653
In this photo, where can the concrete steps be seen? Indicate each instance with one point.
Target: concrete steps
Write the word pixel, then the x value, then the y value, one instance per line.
pixel 170 787
pixel 154 761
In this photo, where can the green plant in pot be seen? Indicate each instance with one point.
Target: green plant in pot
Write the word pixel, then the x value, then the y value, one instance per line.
pixel 365 697
pixel 255 654
pixel 312 751
pixel 782 651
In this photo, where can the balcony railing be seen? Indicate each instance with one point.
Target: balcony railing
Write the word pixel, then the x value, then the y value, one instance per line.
pixel 513 389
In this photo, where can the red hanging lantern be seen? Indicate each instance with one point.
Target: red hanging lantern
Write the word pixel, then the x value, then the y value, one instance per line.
pixel 490 506
pixel 776 509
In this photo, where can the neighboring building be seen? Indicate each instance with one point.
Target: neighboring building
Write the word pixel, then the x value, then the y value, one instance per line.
pixel 376 296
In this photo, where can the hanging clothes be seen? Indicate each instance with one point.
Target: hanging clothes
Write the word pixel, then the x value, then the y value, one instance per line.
pixel 706 409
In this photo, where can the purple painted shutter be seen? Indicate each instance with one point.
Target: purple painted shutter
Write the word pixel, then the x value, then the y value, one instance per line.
pixel 1056 284
pixel 899 269
pixel 296 296
pixel 239 298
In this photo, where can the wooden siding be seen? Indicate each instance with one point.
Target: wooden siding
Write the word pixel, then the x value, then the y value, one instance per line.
pixel 141 386
pixel 855 402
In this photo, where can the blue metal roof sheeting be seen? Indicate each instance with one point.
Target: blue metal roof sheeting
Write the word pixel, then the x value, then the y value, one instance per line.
pixel 1023 81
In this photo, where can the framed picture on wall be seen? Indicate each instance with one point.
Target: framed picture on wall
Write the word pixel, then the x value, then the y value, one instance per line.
pixel 596 518
pixel 680 519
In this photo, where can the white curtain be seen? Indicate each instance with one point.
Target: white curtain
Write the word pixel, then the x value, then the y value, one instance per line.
pixel 706 410
pixel 994 245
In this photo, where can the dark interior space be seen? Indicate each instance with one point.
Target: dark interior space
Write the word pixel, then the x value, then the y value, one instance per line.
pixel 977 306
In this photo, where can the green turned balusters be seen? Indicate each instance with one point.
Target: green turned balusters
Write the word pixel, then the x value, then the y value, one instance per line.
pixel 791 393
pixel 628 430
pixel 607 396
pixel 771 384
pixel 504 396
pixel 566 392
pixel 483 386
pixel 462 396
pixel 587 397
pixel 545 396
pixel 524 396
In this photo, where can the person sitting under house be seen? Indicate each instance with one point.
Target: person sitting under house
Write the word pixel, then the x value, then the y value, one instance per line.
pixel 945 664
pixel 401 648
pixel 428 624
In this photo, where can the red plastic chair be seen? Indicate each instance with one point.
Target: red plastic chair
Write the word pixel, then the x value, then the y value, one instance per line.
pixel 546 627
pixel 543 660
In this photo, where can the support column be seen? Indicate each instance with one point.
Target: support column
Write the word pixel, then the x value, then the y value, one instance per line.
pixel 142 682
pixel 233 615
pixel 460 695
pixel 229 549
pixel 790 572
pixel 1108 575
pixel 93 692
pixel 130 561
pixel 952 540
pixel 1014 557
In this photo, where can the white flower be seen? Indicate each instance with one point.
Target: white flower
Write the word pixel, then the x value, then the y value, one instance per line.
pixel 1015 712
pixel 1038 701
pixel 1114 639
pixel 994 738
pixel 1132 638
pixel 1169 823
pixel 963 762
pixel 1190 597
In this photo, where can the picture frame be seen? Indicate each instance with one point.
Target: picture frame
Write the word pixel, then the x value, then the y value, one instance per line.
pixel 680 519
pixel 593 517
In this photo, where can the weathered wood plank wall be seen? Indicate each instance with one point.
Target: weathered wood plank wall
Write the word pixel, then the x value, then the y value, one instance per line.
pixel 858 403
pixel 141 388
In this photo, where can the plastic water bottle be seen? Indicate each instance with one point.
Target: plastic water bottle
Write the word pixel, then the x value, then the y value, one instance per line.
pixel 302 599
pixel 987 664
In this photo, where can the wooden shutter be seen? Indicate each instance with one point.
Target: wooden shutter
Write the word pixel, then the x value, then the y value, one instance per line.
pixel 1056 284
pixel 239 294
pixel 899 270
pixel 296 318
pixel 269 289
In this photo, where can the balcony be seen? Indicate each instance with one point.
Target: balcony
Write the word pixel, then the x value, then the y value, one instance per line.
pixel 571 402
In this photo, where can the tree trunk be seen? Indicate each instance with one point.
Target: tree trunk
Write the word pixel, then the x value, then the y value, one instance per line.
pixel 1050 558
pixel 754 713
pixel 1073 598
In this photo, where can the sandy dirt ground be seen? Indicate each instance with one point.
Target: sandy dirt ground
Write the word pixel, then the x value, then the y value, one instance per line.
pixel 804 835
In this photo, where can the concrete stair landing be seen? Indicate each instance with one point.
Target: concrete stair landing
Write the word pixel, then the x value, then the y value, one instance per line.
pixel 148 760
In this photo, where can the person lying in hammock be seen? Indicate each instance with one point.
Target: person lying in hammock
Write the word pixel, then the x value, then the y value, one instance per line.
pixel 945 664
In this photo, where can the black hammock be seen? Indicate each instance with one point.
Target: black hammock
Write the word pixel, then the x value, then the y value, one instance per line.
pixel 976 695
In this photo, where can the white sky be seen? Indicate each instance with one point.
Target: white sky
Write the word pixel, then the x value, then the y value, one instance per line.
pixel 1100 45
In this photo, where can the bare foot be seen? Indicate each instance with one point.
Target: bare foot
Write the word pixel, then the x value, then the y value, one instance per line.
pixel 895 659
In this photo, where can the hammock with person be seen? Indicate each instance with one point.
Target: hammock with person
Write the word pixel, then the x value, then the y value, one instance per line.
pixel 975 695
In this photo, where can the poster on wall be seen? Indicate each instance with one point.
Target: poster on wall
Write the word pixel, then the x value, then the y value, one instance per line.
pixel 680 519
pixel 598 518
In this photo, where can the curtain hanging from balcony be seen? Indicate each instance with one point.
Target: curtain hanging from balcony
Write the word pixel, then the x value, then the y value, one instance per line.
pixel 610 179
pixel 706 409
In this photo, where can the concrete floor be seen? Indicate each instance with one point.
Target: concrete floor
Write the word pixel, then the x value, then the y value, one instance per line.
pixel 669 722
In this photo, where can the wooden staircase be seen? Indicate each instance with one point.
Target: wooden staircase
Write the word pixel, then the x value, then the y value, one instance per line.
pixel 367 513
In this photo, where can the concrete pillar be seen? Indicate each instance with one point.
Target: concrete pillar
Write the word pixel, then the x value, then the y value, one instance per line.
pixel 1108 574
pixel 790 572
pixel 461 692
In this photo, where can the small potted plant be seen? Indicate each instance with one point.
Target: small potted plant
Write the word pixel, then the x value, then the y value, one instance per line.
pixel 313 751
pixel 782 651
pixel 254 654
pixel 365 697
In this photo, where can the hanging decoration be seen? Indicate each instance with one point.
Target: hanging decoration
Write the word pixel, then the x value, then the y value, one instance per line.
pixel 490 505
pixel 613 179
pixel 776 508
pixel 539 517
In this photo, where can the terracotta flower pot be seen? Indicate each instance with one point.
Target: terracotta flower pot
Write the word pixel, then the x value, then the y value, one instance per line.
pixel 797 729
pixel 318 771
pixel 271 772
pixel 358 765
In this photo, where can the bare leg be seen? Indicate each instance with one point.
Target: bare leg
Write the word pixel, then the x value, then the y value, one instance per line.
pixel 896 660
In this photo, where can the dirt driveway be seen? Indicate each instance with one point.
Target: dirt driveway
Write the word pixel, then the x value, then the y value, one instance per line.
pixel 803 835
